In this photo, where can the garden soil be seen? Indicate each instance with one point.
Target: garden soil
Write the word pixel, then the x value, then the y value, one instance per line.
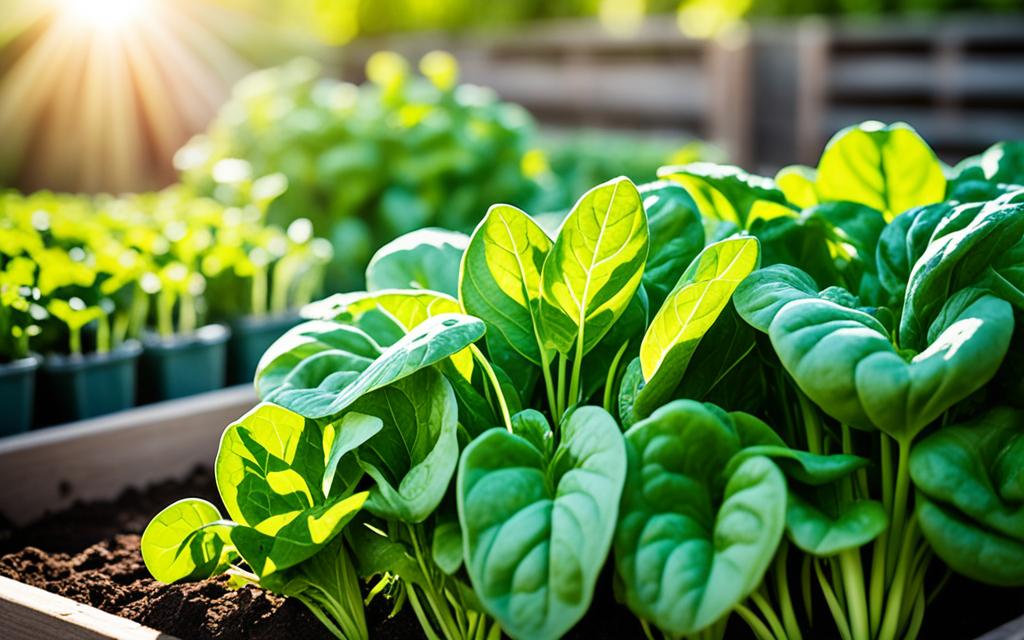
pixel 90 553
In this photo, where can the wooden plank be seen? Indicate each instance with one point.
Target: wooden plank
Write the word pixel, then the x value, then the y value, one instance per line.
pixel 1012 630
pixel 97 459
pixel 28 613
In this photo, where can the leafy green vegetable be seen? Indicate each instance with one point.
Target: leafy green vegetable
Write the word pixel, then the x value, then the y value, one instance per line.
pixel 730 194
pixel 971 495
pixel 424 259
pixel 537 526
pixel 886 167
pixel 690 310
pixel 692 541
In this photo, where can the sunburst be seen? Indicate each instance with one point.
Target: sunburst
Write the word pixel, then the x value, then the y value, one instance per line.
pixel 96 95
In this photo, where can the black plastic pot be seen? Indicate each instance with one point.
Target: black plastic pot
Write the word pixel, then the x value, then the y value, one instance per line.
pixel 17 389
pixel 85 386
pixel 250 337
pixel 182 366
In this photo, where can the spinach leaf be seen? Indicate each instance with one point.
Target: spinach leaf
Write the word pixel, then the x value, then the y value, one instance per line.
pixel 971 495
pixel 413 458
pixel 326 383
pixel 676 235
pixel 797 183
pixel 187 540
pixel 692 541
pixel 594 267
pixel 537 527
pixel 500 280
pixel 729 194
pixel 270 473
pixel 886 167
pixel 423 259
pixel 690 310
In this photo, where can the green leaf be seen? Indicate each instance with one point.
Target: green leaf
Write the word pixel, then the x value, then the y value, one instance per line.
pixel 886 167
pixel 422 259
pixel 500 279
pixel 903 242
pixel 446 546
pixel 823 525
pixel 408 308
pixel 690 310
pixel 763 293
pixel 692 542
pixel 413 458
pixel 594 266
pixel 312 339
pixel 629 328
pixel 971 495
pixel 537 529
pixel 729 194
pixel 726 351
pixel 1002 163
pixel 270 473
pixel 325 384
pixel 188 540
pixel 676 236
pixel 844 361
pixel 797 183
pixel 965 244
pixel 632 383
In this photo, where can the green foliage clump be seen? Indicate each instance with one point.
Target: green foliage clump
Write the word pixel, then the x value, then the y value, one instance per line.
pixel 748 398
pixel 366 163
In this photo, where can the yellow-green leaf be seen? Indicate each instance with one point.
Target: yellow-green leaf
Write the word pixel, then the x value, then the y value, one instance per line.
pixel 695 303
pixel 500 279
pixel 886 167
pixel 594 266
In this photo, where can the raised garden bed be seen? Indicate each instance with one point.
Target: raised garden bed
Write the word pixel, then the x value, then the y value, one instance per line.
pixel 74 501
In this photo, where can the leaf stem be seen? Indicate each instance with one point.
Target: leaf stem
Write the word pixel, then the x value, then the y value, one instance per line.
pixel 782 588
pixel 577 368
pixel 759 628
pixel 493 378
pixel 557 419
pixel 609 383
pixel 833 603
pixel 853 584
pixel 549 385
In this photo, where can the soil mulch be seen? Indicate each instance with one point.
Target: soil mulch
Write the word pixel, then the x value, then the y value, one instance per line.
pixel 90 553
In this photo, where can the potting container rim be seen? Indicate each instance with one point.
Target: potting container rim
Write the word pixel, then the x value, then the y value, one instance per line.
pixel 127 350
pixel 21 365
pixel 210 334
pixel 259 321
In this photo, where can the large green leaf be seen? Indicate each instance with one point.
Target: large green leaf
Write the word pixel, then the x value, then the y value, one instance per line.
pixel 313 339
pixel 730 194
pixel 843 359
pixel 886 167
pixel 1002 163
pixel 407 308
pixel 676 236
pixel 902 242
pixel 326 383
pixel 690 310
pixel 963 247
pixel 413 458
pixel 693 542
pixel 594 266
pixel 823 524
pixel 500 279
pixel 270 472
pixel 536 528
pixel 422 259
pixel 188 540
pixel 797 183
pixel 970 481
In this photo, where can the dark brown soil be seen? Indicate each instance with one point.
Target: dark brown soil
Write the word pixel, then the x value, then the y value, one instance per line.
pixel 90 553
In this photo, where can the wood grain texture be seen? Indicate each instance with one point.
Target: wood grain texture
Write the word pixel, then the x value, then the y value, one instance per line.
pixel 46 470
pixel 28 613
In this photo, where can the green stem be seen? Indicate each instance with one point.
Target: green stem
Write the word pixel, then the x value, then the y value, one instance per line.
pixel 436 601
pixel 421 615
pixel 609 383
pixel 75 340
pixel 853 583
pixel 493 378
pixel 549 385
pixel 898 587
pixel 806 588
pixel 577 368
pixel 876 594
pixel 187 313
pixel 317 612
pixel 758 627
pixel 103 334
pixel 899 505
pixel 766 610
pixel 561 389
pixel 259 290
pixel 812 423
pixel 782 589
pixel 833 603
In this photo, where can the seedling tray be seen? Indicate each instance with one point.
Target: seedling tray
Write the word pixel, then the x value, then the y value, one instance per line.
pixel 46 471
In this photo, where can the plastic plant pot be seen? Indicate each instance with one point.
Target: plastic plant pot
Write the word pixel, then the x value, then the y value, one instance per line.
pixel 17 392
pixel 251 336
pixel 183 365
pixel 85 386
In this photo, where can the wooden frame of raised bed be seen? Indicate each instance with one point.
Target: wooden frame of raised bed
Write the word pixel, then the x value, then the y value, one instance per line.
pixel 46 471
